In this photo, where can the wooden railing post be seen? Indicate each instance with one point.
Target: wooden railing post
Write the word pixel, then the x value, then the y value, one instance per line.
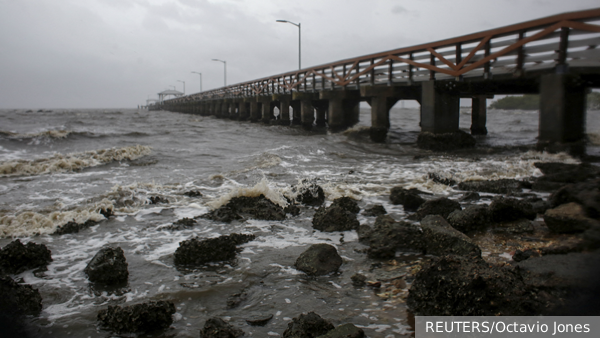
pixel 562 66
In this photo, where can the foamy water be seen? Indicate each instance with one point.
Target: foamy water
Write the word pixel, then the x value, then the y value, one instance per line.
pixel 121 159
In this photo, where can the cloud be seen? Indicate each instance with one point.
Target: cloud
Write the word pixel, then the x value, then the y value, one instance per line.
pixel 399 9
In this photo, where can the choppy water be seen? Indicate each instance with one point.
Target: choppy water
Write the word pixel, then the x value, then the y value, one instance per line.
pixel 69 164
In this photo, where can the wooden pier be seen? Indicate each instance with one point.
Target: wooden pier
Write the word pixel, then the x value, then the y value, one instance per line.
pixel 557 57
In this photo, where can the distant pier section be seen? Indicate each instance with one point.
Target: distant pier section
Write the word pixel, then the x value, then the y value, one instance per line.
pixel 557 57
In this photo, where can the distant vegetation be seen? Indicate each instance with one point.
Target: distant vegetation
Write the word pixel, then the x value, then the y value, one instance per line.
pixel 531 102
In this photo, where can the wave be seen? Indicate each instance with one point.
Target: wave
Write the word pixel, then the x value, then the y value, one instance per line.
pixel 54 134
pixel 275 194
pixel 70 162
pixel 31 223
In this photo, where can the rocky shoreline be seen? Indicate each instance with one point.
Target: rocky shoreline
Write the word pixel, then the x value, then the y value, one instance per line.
pixel 552 247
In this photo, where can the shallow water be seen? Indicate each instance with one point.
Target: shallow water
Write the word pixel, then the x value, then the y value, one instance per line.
pixel 69 164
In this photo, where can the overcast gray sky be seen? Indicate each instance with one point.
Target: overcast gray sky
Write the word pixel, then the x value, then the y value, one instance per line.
pixel 117 53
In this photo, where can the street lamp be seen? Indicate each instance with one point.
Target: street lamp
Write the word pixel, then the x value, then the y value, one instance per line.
pixel 200 80
pixel 183 85
pixel 299 40
pixel 224 70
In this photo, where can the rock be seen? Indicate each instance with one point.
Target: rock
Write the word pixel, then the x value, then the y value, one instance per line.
pixel 292 210
pixel 445 141
pixel 525 254
pixel 503 209
pixel 547 186
pixel 319 259
pixel 567 173
pixel 440 206
pixel 359 280
pixel 587 194
pixel 470 196
pixel 519 226
pixel 468 286
pixel 225 214
pixel 538 205
pixel 375 210
pixel 346 203
pixel 568 218
pixel 474 217
pixel 502 186
pixel 308 193
pixel 217 328
pixel 197 251
pixel 409 199
pixel 193 193
pixel 334 218
pixel 345 331
pixel 72 227
pixel 108 267
pixel 437 178
pixel 138 318
pixel 253 207
pixel 19 299
pixel 158 199
pixel 439 238
pixel 106 212
pixel 387 236
pixel 182 224
pixel 307 326
pixel 259 320
pixel 236 299
pixel 16 257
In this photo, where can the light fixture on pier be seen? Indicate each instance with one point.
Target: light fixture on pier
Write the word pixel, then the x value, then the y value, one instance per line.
pixel 224 72
pixel 200 80
pixel 183 85
pixel 299 40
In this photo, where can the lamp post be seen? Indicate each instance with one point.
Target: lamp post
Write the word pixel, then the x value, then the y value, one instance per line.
pixel 299 40
pixel 200 80
pixel 183 85
pixel 224 71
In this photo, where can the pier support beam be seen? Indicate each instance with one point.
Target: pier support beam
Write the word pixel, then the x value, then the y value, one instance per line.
pixel 284 108
pixel 562 112
pixel 382 99
pixel 321 108
pixel 440 107
pixel 343 108
pixel 255 113
pixel 479 115
pixel 306 108
pixel 266 109
pixel 297 116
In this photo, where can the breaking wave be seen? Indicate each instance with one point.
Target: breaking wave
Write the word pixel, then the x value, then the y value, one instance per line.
pixel 31 223
pixel 263 187
pixel 70 162
pixel 55 134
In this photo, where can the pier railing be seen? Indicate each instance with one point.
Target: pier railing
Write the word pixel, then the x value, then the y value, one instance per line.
pixel 554 43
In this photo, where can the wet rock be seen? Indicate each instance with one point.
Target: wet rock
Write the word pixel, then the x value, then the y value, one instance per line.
pixel 197 251
pixel 440 206
pixel 347 203
pixel 106 212
pixel 409 199
pixel 519 226
pixel 546 186
pixel 388 235
pixel 538 205
pixel 309 193
pixel 193 193
pixel 217 328
pixel 182 224
pixel 521 255
pixel 259 320
pixel 567 173
pixel 446 141
pixel 19 299
pixel 16 257
pixel 236 299
pixel 292 210
pixel 108 267
pixel 568 218
pixel 345 331
pixel 439 238
pixel 468 286
pixel 319 259
pixel 437 178
pixel 225 214
pixel 257 207
pixel 587 194
pixel 375 210
pixel 73 227
pixel 158 199
pixel 359 280
pixel 334 218
pixel 503 209
pixel 502 186
pixel 474 217
pixel 470 196
pixel 138 318
pixel 309 325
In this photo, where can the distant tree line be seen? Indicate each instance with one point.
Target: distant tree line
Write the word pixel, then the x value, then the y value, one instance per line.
pixel 532 102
